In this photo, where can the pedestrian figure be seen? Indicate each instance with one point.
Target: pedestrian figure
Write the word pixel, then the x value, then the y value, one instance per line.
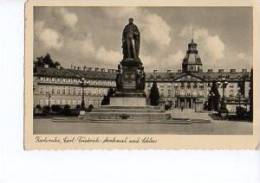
pixel 181 108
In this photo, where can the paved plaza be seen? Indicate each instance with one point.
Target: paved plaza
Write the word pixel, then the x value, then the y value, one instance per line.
pixel 214 127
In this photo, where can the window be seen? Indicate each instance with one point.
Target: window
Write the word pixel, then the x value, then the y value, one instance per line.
pixel 188 85
pixel 58 91
pixel 63 91
pixel 41 90
pixel 41 102
pixel 53 91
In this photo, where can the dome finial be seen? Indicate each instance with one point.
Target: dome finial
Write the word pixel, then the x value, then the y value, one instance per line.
pixel 191 33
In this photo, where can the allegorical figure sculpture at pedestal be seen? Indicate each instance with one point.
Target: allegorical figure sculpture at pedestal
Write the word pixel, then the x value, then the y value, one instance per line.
pixel 131 41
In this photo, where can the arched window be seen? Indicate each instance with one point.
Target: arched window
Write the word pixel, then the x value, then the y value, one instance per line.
pixel 188 85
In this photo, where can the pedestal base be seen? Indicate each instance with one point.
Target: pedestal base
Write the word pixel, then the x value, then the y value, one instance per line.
pixel 122 114
pixel 127 101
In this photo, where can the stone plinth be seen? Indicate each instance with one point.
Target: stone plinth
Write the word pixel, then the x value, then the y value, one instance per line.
pixel 127 101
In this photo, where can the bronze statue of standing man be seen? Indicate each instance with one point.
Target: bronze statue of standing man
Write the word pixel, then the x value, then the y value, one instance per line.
pixel 131 41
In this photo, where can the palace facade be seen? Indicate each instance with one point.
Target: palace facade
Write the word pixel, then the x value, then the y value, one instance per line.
pixel 188 87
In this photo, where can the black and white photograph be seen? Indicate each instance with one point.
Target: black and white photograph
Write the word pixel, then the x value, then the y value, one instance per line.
pixel 143 70
pixel 130 91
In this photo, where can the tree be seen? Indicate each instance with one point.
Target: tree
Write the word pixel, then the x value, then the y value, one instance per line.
pixel 56 64
pixel 46 60
pixel 90 108
pixel 66 110
pixel 154 95
pixel 39 62
pixel 56 108
pixel 78 107
pixel 46 110
pixel 214 97
pixel 106 98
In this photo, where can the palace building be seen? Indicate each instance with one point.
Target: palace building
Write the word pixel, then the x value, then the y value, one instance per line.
pixel 188 87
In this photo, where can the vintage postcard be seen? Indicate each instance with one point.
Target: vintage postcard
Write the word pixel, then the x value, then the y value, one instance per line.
pixel 141 75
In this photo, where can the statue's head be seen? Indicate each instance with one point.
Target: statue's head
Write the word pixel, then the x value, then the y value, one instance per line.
pixel 130 20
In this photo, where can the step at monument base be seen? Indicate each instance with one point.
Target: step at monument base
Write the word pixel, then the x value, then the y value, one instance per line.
pixel 142 114
pixel 128 101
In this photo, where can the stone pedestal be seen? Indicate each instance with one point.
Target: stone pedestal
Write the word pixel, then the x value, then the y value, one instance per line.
pixel 130 84
pixel 130 78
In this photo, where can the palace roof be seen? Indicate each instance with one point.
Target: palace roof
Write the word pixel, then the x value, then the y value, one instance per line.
pixel 208 76
pixel 72 73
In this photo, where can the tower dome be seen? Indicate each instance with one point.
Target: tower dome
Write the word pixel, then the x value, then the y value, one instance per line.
pixel 192 61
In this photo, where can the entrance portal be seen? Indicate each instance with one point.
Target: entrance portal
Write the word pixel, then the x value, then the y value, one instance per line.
pixel 185 102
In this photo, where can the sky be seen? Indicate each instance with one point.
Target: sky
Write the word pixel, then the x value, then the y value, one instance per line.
pixel 91 36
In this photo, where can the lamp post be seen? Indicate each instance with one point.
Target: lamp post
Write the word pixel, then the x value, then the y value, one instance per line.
pixel 49 98
pixel 223 84
pixel 239 98
pixel 176 95
pixel 82 84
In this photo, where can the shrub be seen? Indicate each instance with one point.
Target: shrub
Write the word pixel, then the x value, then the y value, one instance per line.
pixel 66 110
pixel 241 112
pixel 38 107
pixel 56 108
pixel 154 95
pixel 46 109
pixel 90 107
pixel 78 107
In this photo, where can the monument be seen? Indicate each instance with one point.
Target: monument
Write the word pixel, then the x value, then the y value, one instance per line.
pixel 129 100
pixel 130 78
